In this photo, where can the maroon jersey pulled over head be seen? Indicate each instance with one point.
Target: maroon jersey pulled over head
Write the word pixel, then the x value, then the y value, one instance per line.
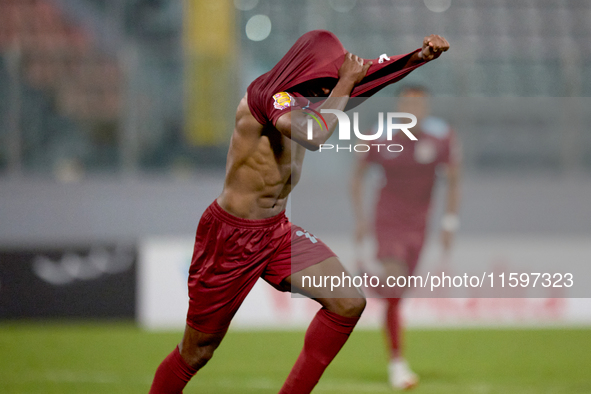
pixel 317 54
pixel 409 176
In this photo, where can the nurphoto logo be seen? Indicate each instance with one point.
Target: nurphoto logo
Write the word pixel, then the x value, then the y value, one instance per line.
pixel 391 124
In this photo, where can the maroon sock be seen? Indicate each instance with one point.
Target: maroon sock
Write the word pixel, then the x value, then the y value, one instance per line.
pixel 394 326
pixel 326 335
pixel 172 375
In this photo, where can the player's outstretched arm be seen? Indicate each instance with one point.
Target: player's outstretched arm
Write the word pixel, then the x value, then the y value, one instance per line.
pixel 294 124
pixel 433 46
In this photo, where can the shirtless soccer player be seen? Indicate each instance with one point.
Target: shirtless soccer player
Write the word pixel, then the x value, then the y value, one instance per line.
pixel 245 235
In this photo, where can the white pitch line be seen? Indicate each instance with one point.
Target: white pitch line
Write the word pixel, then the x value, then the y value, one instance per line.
pixel 71 376
pixel 326 385
pixel 344 386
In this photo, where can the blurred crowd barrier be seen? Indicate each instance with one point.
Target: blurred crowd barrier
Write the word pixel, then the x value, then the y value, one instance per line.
pixel 89 280
pixel 162 297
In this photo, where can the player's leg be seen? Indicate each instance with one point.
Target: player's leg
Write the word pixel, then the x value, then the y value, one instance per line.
pixel 217 287
pixel 393 325
pixel 210 310
pixel 194 351
pixel 197 347
pixel 400 374
pixel 330 328
pixel 342 300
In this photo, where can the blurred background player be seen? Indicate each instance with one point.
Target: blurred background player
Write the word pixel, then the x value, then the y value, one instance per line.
pixel 403 206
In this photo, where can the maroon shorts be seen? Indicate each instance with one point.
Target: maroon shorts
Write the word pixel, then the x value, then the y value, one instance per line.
pixel 231 253
pixel 403 246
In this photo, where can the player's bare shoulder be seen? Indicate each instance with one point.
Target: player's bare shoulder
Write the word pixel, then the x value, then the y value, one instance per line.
pixel 255 140
pixel 245 121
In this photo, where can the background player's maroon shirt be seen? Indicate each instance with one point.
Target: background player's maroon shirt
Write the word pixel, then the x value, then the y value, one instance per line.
pixel 318 54
pixel 409 176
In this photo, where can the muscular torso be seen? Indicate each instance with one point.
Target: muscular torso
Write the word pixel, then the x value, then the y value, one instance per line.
pixel 262 168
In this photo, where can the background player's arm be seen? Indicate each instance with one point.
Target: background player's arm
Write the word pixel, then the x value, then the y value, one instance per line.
pixel 361 224
pixel 294 124
pixel 453 173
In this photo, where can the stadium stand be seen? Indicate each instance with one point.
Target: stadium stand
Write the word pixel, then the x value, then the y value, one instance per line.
pixel 97 74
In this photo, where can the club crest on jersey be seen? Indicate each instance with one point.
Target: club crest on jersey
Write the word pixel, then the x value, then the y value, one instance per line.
pixel 425 152
pixel 282 100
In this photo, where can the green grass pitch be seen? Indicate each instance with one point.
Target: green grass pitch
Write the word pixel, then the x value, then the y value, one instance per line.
pixel 119 358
